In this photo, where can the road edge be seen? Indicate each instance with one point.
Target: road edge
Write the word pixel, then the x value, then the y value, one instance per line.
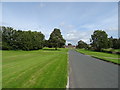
pixel 100 58
pixel 67 86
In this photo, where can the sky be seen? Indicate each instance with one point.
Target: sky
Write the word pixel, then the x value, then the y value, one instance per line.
pixel 76 20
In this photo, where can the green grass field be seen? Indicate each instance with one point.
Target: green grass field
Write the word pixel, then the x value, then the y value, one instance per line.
pixel 35 69
pixel 113 50
pixel 101 55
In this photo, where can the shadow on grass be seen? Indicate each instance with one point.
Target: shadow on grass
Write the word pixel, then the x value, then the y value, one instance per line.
pixel 51 49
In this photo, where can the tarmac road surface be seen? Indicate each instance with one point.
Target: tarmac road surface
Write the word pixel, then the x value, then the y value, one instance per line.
pixel 88 72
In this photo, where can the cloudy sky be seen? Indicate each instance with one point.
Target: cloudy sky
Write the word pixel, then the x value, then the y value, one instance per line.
pixel 76 20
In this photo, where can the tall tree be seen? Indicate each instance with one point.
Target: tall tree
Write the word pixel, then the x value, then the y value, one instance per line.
pixel 56 40
pixel 99 40
pixel 82 44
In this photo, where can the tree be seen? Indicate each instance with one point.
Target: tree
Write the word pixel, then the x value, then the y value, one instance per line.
pixel 110 42
pixel 82 44
pixel 56 40
pixel 116 43
pixel 7 33
pixel 69 44
pixel 21 40
pixel 0 38
pixel 99 40
pixel 45 43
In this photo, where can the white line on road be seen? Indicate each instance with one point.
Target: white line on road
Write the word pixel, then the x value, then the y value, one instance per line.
pixel 67 86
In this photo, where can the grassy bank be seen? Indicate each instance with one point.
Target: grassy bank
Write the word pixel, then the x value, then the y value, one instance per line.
pixel 112 50
pixel 101 55
pixel 35 69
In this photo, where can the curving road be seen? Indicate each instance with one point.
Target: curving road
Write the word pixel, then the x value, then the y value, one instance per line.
pixel 88 72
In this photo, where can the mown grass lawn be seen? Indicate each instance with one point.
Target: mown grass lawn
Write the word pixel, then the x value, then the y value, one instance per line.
pixel 114 50
pixel 35 69
pixel 101 55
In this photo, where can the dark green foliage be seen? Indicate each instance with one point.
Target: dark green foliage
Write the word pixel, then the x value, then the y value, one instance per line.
pixel 110 42
pixel 56 40
pixel 116 43
pixel 69 44
pixel 7 37
pixel 99 40
pixel 21 40
pixel 0 37
pixel 45 43
pixel 82 44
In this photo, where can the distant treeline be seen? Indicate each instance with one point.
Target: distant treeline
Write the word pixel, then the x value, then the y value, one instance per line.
pixel 21 40
pixel 99 41
pixel 12 39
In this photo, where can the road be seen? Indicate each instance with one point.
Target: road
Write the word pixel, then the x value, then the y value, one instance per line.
pixel 88 72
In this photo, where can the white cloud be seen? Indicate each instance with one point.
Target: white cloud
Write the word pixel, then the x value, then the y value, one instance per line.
pixel 67 42
pixel 74 36
pixel 109 23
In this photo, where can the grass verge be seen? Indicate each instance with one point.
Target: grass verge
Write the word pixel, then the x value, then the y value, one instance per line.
pixel 101 55
pixel 113 50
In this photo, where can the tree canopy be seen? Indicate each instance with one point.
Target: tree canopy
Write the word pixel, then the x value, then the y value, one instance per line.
pixel 11 39
pixel 56 39
pixel 116 43
pixel 69 44
pixel 99 40
pixel 21 40
pixel 82 44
